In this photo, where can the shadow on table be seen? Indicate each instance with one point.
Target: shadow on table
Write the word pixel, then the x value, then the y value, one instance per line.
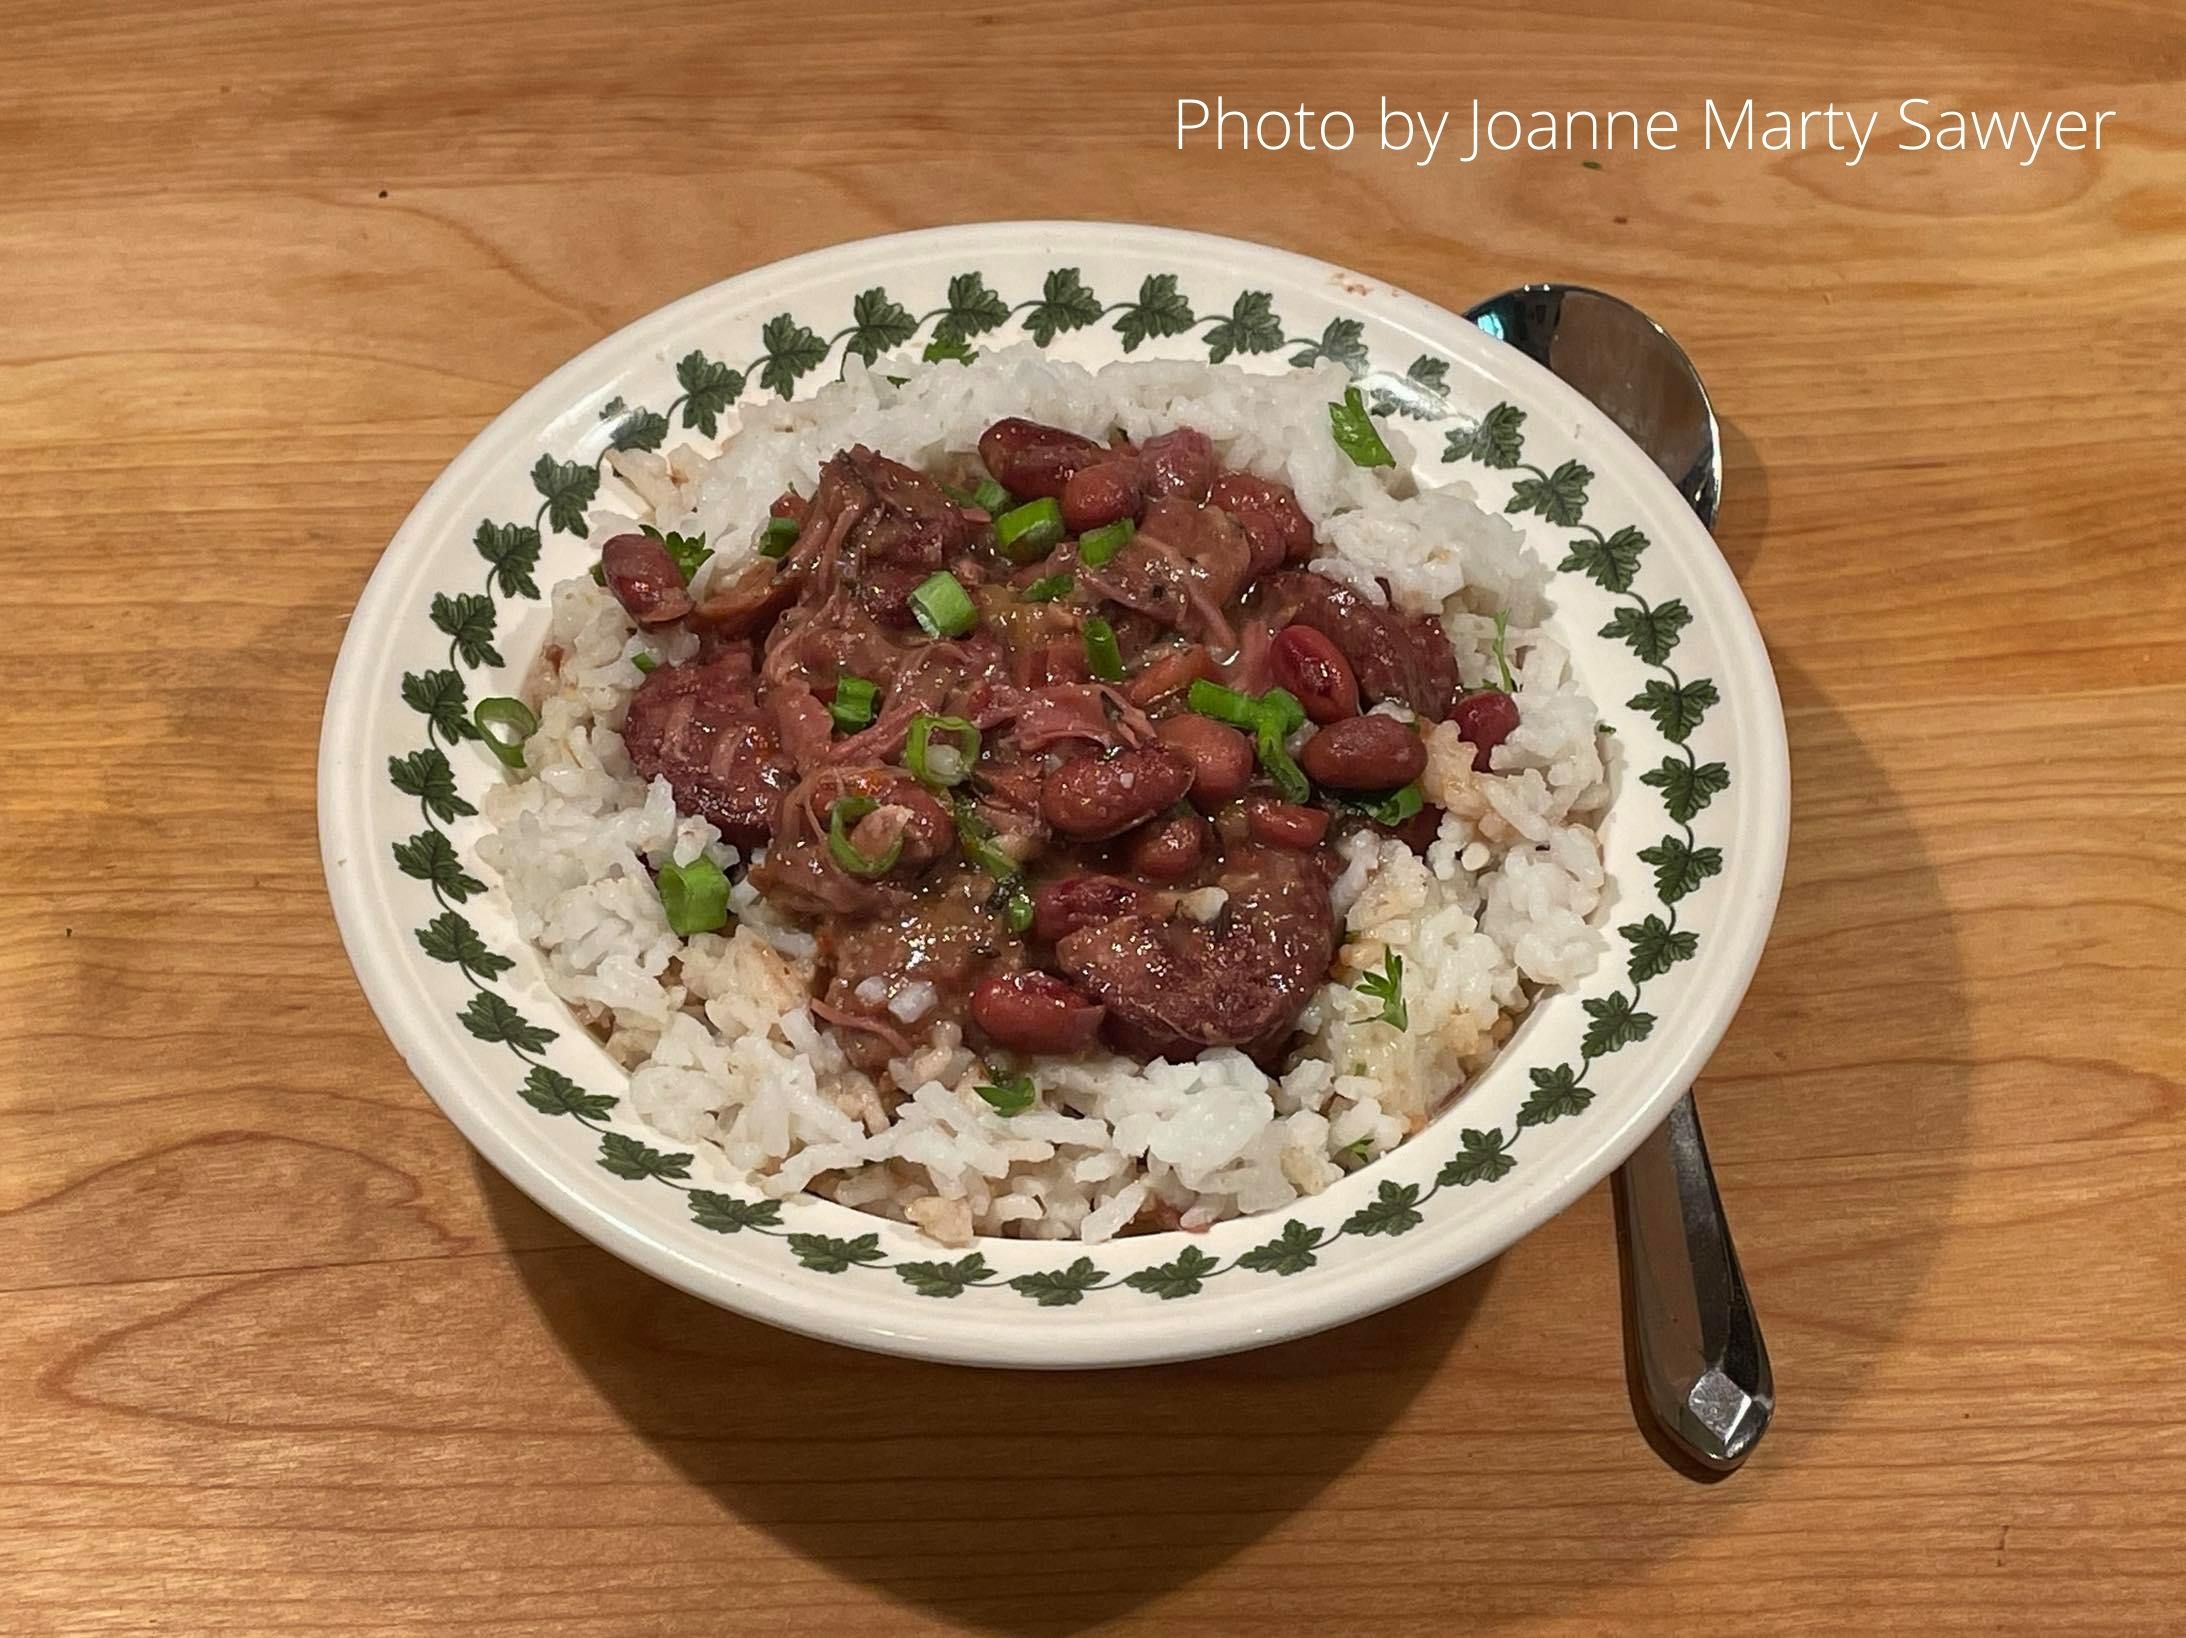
pixel 1022 1502
pixel 1837 1106
pixel 1009 1500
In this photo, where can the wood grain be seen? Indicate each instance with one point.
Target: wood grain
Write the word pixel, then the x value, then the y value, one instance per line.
pixel 283 1358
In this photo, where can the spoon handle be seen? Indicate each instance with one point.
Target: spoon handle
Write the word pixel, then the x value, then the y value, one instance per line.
pixel 1697 1346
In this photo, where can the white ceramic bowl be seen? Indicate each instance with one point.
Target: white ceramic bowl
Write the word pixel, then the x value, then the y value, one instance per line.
pixel 1694 841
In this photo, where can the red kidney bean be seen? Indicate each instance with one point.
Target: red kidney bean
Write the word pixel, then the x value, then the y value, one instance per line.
pixel 1100 494
pixel 1484 720
pixel 1221 758
pixel 1061 907
pixel 1269 514
pixel 644 579
pixel 1090 798
pixel 1418 832
pixel 1168 849
pixel 1169 674
pixel 1364 754
pixel 1312 667
pixel 1033 461
pixel 1284 824
pixel 1036 1012
pixel 1178 463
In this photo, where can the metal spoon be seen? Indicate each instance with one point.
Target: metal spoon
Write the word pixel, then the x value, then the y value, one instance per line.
pixel 1692 1336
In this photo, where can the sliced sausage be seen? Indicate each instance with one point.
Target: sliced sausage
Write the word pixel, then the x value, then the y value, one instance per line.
pixel 645 580
pixel 1180 462
pixel 1101 494
pixel 1364 754
pixel 1240 979
pixel 1091 798
pixel 750 603
pixel 1035 1012
pixel 1061 907
pixel 1269 514
pixel 701 726
pixel 1033 461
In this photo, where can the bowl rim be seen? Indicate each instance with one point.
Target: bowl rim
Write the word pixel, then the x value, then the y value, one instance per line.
pixel 1165 1332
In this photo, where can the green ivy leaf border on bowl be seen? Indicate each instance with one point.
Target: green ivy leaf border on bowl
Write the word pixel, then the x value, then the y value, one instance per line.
pixel 789 352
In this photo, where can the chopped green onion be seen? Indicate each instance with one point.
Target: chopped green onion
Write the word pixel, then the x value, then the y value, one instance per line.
pixel 1008 1094
pixel 696 896
pixel 942 607
pixel 941 765
pixel 1393 809
pixel 1017 912
pixel 855 704
pixel 499 711
pixel 1282 705
pixel 779 536
pixel 944 347
pixel 976 837
pixel 1354 1152
pixel 686 551
pixel 1101 655
pixel 1027 533
pixel 1271 718
pixel 846 812
pixel 1211 699
pixel 645 663
pixel 1355 434
pixel 1097 546
pixel 1502 631
pixel 1387 987
pixel 1275 762
pixel 1047 588
pixel 987 495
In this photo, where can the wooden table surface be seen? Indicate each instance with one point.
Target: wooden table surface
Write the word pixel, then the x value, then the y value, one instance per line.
pixel 281 1356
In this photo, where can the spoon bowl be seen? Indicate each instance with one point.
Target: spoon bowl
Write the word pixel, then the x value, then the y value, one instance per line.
pixel 1631 369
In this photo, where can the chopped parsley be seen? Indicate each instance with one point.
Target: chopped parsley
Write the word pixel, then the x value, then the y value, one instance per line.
pixel 1355 434
pixel 688 551
pixel 1387 987
pixel 1008 1094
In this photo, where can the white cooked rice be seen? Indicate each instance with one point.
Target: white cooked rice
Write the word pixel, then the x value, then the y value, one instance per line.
pixel 724 1055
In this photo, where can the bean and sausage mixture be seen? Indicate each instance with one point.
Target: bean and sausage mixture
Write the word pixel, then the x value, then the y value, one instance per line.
pixel 1064 731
